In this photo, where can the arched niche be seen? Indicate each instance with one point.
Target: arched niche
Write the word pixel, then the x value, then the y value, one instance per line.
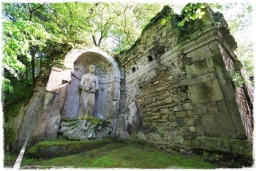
pixel 107 71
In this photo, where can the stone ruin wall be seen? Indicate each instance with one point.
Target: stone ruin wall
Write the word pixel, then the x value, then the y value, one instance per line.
pixel 182 94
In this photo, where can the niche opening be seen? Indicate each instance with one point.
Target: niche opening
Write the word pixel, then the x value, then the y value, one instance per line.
pixel 150 58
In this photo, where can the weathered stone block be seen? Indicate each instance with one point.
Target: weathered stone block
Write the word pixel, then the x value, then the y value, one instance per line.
pixel 218 125
pixel 192 129
pixel 214 144
pixel 183 83
pixel 189 114
pixel 183 97
pixel 66 75
pixel 218 60
pixel 181 114
pixel 198 125
pixel 54 80
pixel 205 107
pixel 174 124
pixel 187 61
pixel 155 110
pixel 205 92
pixel 236 118
pixel 184 128
pixel 175 98
pixel 165 111
pixel 178 108
pixel 189 135
pixel 242 147
pixel 214 46
pixel 203 78
pixel 209 62
pixel 225 83
pixel 197 59
pixel 155 117
pixel 165 117
pixel 168 100
pixel 172 118
pixel 187 106
pixel 180 121
pixel 189 121
pixel 198 69
pixel 200 54
pixel 153 105
pixel 156 114
pixel 191 54
pixel 187 142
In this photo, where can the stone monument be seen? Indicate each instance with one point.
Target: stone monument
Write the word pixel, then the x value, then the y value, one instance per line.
pixel 88 86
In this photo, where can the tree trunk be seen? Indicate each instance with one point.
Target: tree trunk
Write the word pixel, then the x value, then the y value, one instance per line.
pixel 33 53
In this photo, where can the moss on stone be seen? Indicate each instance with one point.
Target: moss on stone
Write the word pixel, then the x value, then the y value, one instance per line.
pixel 14 109
pixel 49 149
pixel 241 147
pixel 9 113
pixel 9 134
pixel 166 11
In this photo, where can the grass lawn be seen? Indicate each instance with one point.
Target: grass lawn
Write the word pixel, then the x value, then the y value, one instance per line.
pixel 119 155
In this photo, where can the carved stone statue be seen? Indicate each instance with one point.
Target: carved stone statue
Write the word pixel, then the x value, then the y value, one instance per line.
pixel 89 85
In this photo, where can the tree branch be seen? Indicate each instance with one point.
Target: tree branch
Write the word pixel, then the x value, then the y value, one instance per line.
pixel 94 41
pixel 33 10
pixel 101 37
pixel 40 6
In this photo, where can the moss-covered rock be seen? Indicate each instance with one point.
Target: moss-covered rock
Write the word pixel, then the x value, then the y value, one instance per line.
pixel 11 125
pixel 241 147
pixel 49 149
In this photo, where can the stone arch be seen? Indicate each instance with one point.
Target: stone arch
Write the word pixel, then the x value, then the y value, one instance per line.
pixel 108 73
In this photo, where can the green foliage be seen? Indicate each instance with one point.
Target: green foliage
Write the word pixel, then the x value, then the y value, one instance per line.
pixel 18 37
pixel 192 12
pixel 40 34
pixel 237 79
pixel 21 91
pixel 7 86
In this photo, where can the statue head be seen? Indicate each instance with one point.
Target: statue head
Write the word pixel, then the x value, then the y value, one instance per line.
pixel 91 68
